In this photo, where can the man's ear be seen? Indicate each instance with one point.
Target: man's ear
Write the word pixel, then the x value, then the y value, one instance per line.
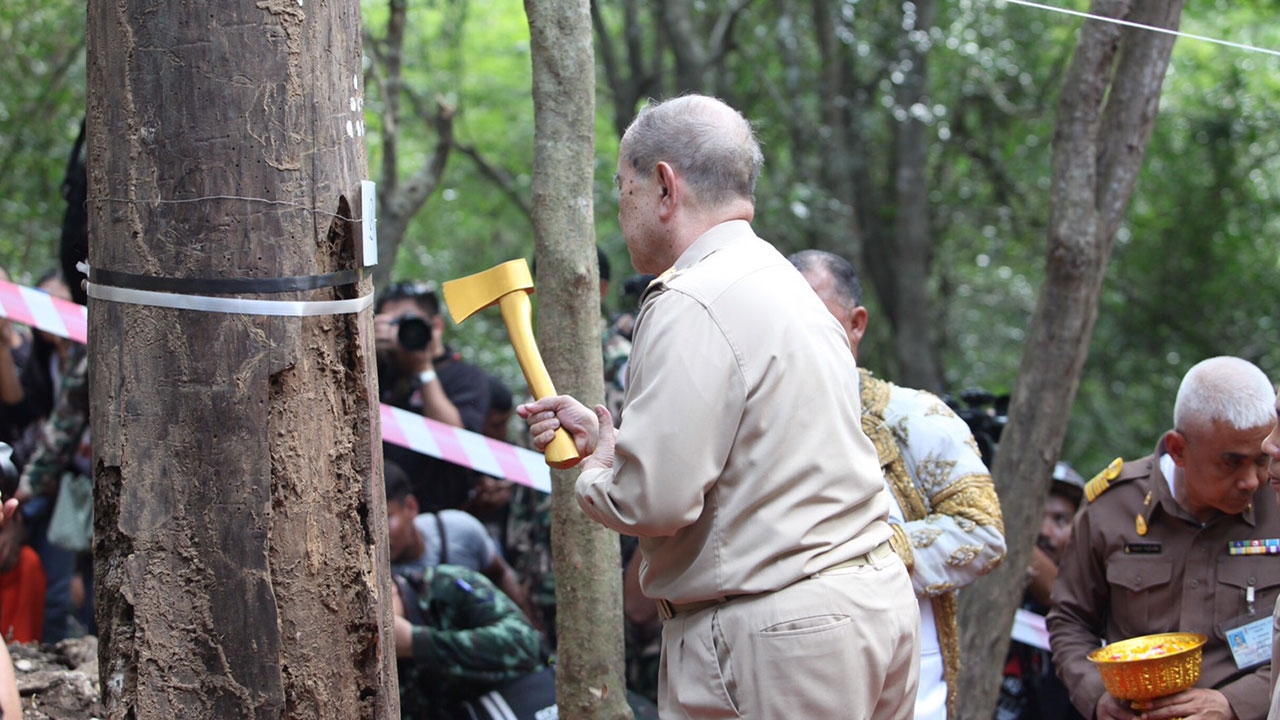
pixel 666 176
pixel 1175 443
pixel 410 503
pixel 858 323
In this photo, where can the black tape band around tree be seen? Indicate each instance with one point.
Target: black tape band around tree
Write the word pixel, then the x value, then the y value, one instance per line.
pixel 224 286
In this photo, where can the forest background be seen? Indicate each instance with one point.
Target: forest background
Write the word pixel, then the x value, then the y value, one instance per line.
pixel 913 138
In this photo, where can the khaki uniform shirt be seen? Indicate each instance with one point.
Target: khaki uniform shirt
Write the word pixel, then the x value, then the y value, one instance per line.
pixel 741 463
pixel 1116 583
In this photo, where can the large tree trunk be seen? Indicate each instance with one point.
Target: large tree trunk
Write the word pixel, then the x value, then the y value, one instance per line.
pixel 589 680
pixel 1105 117
pixel 240 559
pixel 913 315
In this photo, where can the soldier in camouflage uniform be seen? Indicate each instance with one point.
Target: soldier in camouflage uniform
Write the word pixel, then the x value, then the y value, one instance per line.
pixel 62 434
pixel 457 637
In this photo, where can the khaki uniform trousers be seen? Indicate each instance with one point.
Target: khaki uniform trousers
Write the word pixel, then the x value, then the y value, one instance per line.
pixel 839 645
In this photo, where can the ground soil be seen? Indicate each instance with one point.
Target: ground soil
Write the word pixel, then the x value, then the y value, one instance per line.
pixel 59 682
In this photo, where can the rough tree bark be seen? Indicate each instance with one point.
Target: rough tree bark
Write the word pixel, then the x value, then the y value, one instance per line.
pixel 589 678
pixel 1105 116
pixel 240 559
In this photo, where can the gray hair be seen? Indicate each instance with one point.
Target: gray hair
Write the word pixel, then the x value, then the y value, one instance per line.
pixel 844 279
pixel 1224 389
pixel 709 143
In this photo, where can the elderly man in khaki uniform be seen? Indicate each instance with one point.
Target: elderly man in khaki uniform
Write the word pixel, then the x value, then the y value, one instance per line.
pixel 740 462
pixel 1165 544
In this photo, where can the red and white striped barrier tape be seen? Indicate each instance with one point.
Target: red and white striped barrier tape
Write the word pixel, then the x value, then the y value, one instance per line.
pixel 399 427
pixel 43 311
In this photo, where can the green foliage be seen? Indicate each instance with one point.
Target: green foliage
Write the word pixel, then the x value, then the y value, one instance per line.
pixel 40 112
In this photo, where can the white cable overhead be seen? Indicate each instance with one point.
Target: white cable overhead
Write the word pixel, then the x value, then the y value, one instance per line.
pixel 1152 28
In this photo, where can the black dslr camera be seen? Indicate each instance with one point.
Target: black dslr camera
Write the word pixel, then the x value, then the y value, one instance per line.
pixel 413 332
pixel 986 414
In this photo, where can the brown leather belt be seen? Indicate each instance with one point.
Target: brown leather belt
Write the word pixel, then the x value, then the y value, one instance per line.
pixel 668 609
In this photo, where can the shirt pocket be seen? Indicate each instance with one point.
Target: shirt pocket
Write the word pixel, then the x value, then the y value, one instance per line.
pixel 1235 575
pixel 1140 595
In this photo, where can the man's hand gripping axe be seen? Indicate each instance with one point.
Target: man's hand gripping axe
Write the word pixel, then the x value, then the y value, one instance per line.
pixel 509 285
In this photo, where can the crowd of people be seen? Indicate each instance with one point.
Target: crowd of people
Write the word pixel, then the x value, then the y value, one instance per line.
pixel 758 543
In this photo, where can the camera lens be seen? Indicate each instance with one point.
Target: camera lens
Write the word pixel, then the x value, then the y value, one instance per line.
pixel 414 332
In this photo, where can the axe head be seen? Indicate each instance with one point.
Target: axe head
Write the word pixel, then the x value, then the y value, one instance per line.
pixel 468 295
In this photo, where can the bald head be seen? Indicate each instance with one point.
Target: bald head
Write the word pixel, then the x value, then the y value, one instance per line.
pixel 1224 389
pixel 709 143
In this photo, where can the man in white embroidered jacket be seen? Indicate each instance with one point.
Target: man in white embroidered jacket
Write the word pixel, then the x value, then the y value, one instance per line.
pixel 946 516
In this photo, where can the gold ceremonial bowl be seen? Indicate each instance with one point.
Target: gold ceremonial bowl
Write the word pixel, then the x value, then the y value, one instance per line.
pixel 1144 668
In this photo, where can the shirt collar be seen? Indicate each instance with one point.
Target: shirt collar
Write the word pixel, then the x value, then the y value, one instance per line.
pixel 717 238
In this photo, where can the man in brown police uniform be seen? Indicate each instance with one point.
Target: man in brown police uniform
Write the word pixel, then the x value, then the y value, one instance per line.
pixel 1165 544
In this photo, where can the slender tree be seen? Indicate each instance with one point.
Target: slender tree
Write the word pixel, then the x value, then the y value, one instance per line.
pixel 399 199
pixel 1105 118
pixel 240 559
pixel 589 680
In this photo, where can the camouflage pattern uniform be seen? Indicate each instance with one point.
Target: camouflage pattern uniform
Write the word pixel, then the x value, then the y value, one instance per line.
pixel 617 351
pixel 468 637
pixel 642 642
pixel 528 550
pixel 63 431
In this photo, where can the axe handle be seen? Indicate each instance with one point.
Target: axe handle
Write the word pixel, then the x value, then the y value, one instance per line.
pixel 517 313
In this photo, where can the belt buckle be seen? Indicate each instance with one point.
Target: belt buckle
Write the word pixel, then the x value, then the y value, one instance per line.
pixel 666 609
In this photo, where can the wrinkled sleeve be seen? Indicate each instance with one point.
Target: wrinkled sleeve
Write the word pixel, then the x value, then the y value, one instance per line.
pixel 685 399
pixel 962 537
pixel 475 633
pixel 1075 622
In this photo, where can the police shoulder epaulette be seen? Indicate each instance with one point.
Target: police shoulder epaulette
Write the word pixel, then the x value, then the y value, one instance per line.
pixel 1103 480
pixel 657 284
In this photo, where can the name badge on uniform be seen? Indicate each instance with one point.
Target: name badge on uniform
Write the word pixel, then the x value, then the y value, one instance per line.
pixel 1250 642
pixel 1148 548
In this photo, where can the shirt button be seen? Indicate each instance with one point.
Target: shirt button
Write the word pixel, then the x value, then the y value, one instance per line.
pixel 1138 579
pixel 1195 583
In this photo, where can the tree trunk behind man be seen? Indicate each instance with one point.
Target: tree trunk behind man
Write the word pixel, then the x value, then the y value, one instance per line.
pixel 1105 116
pixel 239 553
pixel 589 681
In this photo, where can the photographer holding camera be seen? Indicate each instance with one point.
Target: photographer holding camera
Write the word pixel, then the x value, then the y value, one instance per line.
pixel 418 372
